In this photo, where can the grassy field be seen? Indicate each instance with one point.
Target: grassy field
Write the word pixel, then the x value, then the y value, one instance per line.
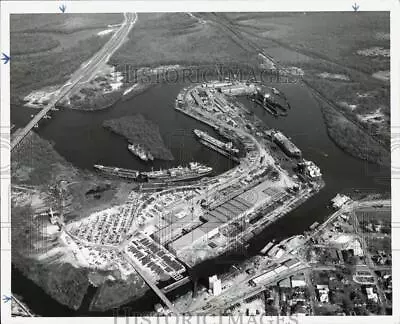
pixel 177 38
pixel 64 24
pixel 309 34
pixel 47 48
pixel 24 43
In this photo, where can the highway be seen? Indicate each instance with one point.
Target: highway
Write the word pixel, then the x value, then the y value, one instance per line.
pixel 85 72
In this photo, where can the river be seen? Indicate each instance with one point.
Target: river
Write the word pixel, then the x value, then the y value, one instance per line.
pixel 81 139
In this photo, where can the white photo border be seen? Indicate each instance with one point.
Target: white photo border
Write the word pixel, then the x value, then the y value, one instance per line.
pixel 14 7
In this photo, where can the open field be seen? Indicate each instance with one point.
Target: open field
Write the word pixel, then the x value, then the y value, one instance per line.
pixel 308 34
pixel 177 38
pixel 64 24
pixel 24 43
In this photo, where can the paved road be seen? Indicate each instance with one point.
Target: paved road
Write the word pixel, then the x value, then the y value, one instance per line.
pixel 85 72
pixel 153 286
pixel 368 258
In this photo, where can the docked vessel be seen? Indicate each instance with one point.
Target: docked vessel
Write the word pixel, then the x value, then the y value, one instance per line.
pixel 193 171
pixel 216 144
pixel 285 144
pixel 120 172
pixel 269 99
pixel 140 152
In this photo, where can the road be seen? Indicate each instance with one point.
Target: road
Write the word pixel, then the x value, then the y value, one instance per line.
pixel 84 73
pixel 241 291
pixel 368 258
pixel 153 286
pixel 26 310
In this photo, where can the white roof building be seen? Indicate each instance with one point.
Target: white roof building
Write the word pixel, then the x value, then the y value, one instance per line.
pixel 339 200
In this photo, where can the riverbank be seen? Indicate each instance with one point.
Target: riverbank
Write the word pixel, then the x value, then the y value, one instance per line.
pixel 40 248
pixel 351 139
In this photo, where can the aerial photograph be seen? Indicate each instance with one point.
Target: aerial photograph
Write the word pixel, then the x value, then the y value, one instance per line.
pixel 200 163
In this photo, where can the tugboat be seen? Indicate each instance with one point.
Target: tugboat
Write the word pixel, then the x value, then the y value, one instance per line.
pixel 140 152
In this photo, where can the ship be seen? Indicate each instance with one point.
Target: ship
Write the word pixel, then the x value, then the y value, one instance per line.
pixel 140 152
pixel 268 98
pixel 193 171
pixel 120 172
pixel 286 145
pixel 179 173
pixel 224 148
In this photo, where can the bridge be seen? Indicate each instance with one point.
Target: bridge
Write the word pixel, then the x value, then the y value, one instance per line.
pixel 153 286
pixel 85 71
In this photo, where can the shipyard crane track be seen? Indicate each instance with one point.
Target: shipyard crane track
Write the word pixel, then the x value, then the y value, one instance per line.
pixel 85 71
pixel 227 26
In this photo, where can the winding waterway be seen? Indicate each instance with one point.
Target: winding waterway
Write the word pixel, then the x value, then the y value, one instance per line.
pixel 81 139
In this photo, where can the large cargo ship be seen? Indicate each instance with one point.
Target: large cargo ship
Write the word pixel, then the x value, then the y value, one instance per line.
pixel 224 148
pixel 285 144
pixel 140 152
pixel 193 171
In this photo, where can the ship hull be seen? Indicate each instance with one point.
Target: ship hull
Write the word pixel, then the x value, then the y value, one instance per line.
pixel 177 178
pixel 148 177
pixel 219 150
pixel 267 107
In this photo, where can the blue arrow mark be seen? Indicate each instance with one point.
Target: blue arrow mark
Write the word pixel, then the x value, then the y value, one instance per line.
pixel 355 7
pixel 6 299
pixel 5 58
pixel 62 8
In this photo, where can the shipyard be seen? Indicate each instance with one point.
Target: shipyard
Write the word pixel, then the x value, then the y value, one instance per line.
pixel 184 215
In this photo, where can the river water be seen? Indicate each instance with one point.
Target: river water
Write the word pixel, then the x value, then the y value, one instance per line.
pixel 81 139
